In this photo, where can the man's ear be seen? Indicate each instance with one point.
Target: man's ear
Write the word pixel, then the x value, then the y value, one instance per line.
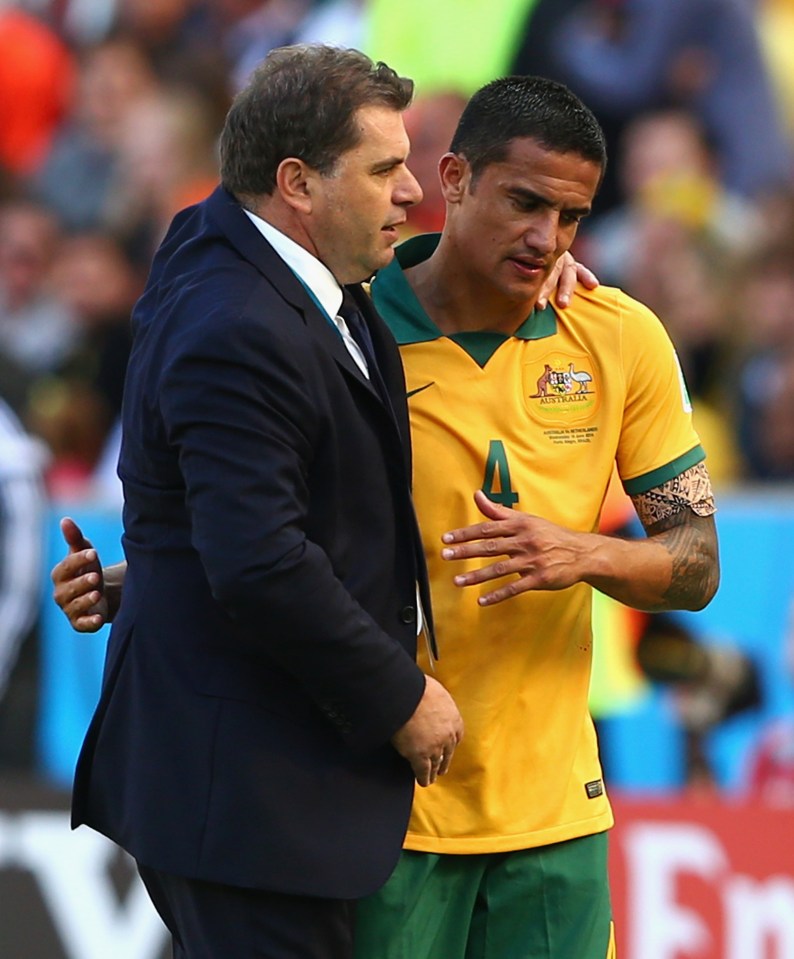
pixel 455 175
pixel 292 182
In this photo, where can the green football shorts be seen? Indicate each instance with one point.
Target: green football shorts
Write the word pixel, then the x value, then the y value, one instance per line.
pixel 551 902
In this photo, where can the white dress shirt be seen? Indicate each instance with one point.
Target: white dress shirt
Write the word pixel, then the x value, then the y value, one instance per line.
pixel 316 276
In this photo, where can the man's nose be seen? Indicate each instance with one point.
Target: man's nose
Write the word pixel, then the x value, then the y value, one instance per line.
pixel 408 192
pixel 542 233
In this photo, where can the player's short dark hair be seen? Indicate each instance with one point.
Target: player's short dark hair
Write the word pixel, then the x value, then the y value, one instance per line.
pixel 532 107
pixel 301 102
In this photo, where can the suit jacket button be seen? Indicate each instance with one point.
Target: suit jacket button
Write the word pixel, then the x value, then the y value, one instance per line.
pixel 408 614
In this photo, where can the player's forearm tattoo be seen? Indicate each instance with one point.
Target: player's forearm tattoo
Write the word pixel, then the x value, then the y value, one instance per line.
pixel 691 542
pixel 679 514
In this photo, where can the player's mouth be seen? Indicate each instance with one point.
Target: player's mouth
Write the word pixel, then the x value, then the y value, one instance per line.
pixel 530 267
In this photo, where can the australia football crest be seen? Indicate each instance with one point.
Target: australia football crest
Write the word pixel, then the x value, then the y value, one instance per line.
pixel 561 388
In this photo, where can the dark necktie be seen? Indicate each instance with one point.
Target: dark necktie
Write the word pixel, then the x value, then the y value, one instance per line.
pixel 357 326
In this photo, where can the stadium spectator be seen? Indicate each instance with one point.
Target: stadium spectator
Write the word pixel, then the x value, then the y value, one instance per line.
pixel 36 75
pixel 36 329
pixel 80 173
pixel 628 56
pixel 74 408
pixel 167 160
pixel 758 389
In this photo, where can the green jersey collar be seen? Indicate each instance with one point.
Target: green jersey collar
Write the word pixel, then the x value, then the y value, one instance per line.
pixel 399 307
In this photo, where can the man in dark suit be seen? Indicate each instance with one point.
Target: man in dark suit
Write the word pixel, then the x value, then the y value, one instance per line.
pixel 262 718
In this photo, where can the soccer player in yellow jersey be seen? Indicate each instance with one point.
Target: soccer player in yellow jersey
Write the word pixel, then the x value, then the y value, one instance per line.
pixel 517 418
pixel 518 415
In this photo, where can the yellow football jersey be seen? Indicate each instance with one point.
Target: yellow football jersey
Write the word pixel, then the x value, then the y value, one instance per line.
pixel 537 421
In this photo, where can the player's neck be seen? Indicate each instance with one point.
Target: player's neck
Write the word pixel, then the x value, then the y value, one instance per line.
pixel 458 302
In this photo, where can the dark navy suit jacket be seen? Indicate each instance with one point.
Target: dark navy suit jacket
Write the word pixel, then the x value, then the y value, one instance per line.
pixel 264 651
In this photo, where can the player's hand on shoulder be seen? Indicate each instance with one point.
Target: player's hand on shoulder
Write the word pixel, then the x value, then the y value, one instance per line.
pixel 429 738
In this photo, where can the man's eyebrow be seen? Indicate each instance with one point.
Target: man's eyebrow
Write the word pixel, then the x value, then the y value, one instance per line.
pixel 530 196
pixel 522 193
pixel 387 163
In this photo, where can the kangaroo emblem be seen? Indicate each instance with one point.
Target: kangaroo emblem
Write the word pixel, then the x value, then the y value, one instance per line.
pixel 543 382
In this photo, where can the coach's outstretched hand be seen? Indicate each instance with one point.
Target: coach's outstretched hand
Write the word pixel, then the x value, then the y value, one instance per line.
pixel 79 582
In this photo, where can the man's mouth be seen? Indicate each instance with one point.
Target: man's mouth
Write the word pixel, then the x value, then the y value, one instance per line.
pixel 529 266
pixel 391 231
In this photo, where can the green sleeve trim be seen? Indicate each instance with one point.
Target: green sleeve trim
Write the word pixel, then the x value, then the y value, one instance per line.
pixel 641 484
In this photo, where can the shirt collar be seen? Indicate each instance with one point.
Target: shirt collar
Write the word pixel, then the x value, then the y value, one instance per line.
pixel 397 303
pixel 309 270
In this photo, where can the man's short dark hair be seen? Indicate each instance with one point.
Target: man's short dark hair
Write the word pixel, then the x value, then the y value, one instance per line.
pixel 301 102
pixel 530 107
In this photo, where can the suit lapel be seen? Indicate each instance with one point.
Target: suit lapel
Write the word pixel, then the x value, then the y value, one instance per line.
pixel 388 358
pixel 249 242
pixel 241 232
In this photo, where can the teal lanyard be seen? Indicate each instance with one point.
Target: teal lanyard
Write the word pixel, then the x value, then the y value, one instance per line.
pixel 319 306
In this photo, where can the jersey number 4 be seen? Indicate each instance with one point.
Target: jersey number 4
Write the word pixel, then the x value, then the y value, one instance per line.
pixel 496 482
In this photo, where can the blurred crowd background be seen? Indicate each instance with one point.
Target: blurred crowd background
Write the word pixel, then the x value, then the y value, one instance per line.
pixel 110 112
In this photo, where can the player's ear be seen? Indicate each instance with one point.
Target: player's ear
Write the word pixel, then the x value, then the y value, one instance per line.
pixel 455 175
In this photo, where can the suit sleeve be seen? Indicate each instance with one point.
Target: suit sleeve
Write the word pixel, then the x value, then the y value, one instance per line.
pixel 238 405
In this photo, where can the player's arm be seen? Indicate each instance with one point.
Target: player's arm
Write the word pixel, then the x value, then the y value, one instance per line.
pixel 88 594
pixel 679 516
pixel 675 567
